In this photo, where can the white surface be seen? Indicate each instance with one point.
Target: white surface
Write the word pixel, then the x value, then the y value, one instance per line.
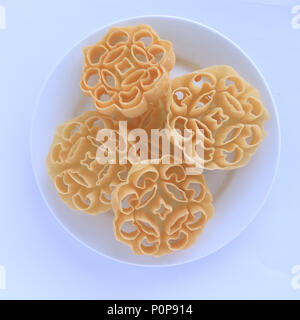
pixel 61 100
pixel 42 260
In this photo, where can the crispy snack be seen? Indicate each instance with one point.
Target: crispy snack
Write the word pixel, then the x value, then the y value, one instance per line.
pixel 226 107
pixel 127 72
pixel 159 209
pixel 81 181
pixel 153 118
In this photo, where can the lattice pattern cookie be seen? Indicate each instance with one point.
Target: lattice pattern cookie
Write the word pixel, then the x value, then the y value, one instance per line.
pixel 127 72
pixel 159 209
pixel 228 110
pixel 81 181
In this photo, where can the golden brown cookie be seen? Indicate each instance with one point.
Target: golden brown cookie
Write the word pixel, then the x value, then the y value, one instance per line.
pixel 81 181
pixel 127 72
pixel 160 209
pixel 227 108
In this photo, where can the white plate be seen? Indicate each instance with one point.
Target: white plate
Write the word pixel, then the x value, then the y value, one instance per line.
pixel 238 195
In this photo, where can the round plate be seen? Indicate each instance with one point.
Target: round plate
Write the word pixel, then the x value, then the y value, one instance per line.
pixel 238 194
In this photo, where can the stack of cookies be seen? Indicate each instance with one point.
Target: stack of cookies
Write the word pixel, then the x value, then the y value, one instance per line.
pixel 159 206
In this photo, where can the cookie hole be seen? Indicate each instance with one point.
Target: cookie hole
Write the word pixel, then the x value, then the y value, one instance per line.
pixel 75 148
pixel 233 133
pixel 232 103
pixel 77 177
pixel 179 242
pixel 256 107
pixel 197 216
pixel 86 201
pixel 152 77
pixel 147 196
pixel 105 97
pixel 147 179
pixel 249 139
pixel 128 227
pixel 177 225
pixel 114 55
pixel 141 57
pixel 218 117
pixel 179 95
pixel 206 98
pixel 125 202
pixel 229 82
pixel 74 127
pixel 204 130
pixel 96 53
pixel 145 243
pixel 81 203
pixel 159 56
pixel 180 124
pixel 129 202
pixel 176 192
pixel 230 157
pixel 130 95
pixel 200 79
pixel 124 66
pixel 208 154
pixel 103 172
pixel 98 123
pixel 146 40
pixel 139 54
pixel 61 186
pixel 123 175
pixel 200 104
pixel 176 172
pixel 144 36
pixel 157 52
pixel 234 82
pixel 162 210
pixel 109 79
pixel 93 80
pixel 94 121
pixel 102 95
pixel 254 136
pixel 129 230
pixel 203 101
pixel 197 188
pixel 147 227
pixel 148 247
pixel 87 161
pixel 198 220
pixel 106 196
pixel 118 37
pixel 134 77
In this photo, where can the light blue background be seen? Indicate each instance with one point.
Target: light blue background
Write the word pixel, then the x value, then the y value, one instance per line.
pixel 42 260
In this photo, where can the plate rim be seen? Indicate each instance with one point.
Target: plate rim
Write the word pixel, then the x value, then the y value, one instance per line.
pixel 268 90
